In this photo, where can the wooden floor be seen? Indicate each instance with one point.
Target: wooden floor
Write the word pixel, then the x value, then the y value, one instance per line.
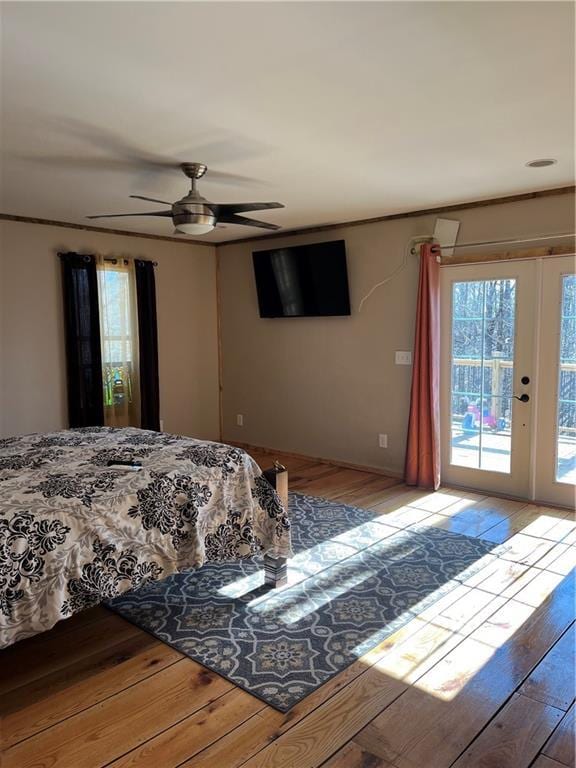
pixel 482 679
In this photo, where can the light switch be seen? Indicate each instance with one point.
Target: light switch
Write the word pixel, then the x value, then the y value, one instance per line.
pixel 403 358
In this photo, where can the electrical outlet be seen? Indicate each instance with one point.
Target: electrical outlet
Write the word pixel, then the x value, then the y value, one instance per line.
pixel 403 358
pixel 383 441
pixel 239 420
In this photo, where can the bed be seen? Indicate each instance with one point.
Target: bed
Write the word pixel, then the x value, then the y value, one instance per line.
pixel 75 532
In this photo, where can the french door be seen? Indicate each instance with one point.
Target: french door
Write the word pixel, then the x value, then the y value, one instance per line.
pixel 555 450
pixel 508 382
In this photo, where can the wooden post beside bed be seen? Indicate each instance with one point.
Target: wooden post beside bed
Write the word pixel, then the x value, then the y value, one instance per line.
pixel 275 571
pixel 276 568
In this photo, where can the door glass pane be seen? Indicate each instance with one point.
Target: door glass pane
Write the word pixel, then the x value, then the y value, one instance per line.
pixel 566 424
pixel 482 359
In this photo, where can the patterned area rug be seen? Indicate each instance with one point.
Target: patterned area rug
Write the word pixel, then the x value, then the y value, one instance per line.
pixel 353 581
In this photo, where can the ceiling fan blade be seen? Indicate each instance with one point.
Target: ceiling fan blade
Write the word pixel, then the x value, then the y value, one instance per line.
pixel 150 199
pixel 231 208
pixel 126 164
pixel 233 219
pixel 221 177
pixel 117 215
pixel 88 163
pixel 218 146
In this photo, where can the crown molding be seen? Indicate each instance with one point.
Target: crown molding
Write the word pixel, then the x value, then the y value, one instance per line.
pixel 89 228
pixel 407 215
pixel 301 230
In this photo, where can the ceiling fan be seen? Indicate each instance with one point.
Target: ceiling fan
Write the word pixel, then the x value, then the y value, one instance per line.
pixel 194 215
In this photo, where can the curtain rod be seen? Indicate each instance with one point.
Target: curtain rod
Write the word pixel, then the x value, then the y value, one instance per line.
pixel 115 261
pixel 436 248
pixel 88 257
pixel 509 261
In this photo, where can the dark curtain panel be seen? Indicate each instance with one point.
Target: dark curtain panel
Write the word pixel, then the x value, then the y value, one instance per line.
pixel 82 331
pixel 148 344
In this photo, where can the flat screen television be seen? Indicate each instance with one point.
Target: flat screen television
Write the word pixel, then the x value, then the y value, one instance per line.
pixel 302 281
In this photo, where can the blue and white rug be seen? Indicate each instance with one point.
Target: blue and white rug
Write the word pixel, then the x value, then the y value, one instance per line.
pixel 354 580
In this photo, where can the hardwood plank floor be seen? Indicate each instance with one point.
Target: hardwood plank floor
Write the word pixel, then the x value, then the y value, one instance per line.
pixel 545 762
pixel 482 677
pixel 78 686
pixel 560 746
pixel 435 719
pixel 353 756
pixel 514 737
pixel 553 680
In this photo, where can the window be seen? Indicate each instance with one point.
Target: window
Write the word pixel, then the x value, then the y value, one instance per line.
pixel 566 414
pixel 482 362
pixel 119 342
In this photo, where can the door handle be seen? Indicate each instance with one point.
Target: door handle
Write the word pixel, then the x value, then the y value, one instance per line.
pixel 523 398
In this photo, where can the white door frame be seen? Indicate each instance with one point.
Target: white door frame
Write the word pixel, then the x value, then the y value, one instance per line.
pixel 518 482
pixel 546 487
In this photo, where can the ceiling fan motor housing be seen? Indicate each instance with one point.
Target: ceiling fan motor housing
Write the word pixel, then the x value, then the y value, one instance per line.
pixel 193 209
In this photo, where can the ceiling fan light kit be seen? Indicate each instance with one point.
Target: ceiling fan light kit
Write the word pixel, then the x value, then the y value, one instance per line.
pixel 200 226
pixel 194 215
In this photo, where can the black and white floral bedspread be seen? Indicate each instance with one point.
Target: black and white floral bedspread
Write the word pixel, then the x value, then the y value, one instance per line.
pixel 74 532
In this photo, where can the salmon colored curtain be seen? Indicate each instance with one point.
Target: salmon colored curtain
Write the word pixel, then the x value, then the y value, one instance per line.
pixel 423 447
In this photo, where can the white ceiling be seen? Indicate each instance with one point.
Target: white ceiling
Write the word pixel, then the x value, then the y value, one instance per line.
pixel 340 110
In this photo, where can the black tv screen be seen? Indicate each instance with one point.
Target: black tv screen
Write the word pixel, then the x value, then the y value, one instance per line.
pixel 302 281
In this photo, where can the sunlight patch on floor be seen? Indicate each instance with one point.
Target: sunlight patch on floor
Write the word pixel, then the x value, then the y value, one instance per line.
pixel 340 585
pixel 474 646
pixel 402 516
pixel 441 645
pixel 545 523
pixel 442 499
pixel 442 653
pixel 301 566
pixel 254 582
pixel 447 678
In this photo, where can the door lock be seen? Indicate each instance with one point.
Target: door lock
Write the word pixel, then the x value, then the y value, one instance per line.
pixel 525 380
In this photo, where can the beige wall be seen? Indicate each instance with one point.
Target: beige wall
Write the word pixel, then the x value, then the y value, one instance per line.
pixel 32 364
pixel 326 387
